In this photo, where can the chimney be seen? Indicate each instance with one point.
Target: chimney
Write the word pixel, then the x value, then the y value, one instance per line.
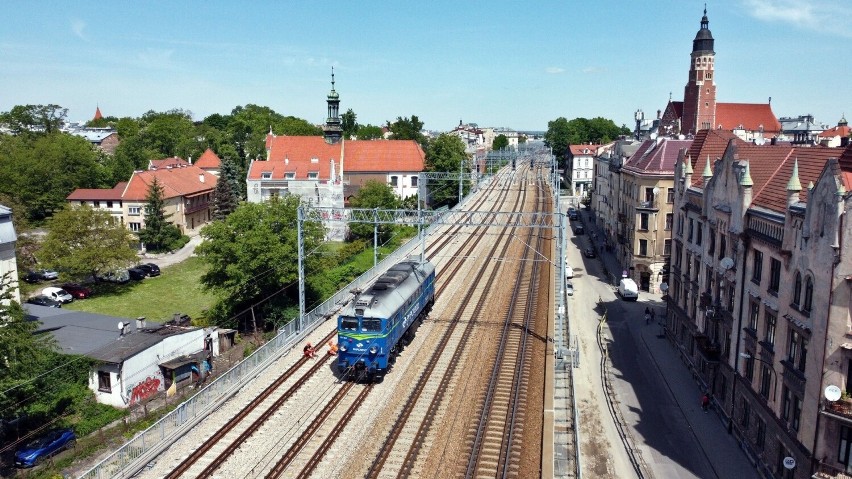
pixel 190 159
pixel 286 160
pixel 140 322
pixel 201 177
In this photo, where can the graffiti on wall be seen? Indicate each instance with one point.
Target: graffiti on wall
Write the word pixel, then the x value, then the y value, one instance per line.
pixel 145 389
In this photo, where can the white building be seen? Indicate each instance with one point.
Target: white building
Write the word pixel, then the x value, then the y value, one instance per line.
pixel 8 263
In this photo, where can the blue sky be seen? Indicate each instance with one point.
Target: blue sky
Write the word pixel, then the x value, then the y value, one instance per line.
pixel 513 64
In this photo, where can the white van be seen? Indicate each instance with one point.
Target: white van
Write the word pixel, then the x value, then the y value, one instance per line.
pixel 628 290
pixel 57 294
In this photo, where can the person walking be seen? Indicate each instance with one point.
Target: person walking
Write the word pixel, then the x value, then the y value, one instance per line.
pixel 647 316
pixel 705 402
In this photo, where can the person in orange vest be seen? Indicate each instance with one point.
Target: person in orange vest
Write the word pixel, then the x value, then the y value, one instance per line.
pixel 309 352
pixel 332 348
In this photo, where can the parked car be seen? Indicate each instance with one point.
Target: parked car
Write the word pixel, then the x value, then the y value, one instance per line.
pixel 32 277
pixel 57 294
pixel 569 289
pixel 48 274
pixel 136 274
pixel 589 252
pixel 579 231
pixel 120 276
pixel 569 272
pixel 43 300
pixel 150 269
pixel 45 446
pixel 78 291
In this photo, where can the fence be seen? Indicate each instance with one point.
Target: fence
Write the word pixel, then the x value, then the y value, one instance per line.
pixel 142 449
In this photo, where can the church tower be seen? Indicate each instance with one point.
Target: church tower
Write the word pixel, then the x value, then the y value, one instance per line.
pixel 699 96
pixel 333 130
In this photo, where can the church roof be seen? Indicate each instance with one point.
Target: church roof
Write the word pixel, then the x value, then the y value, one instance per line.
pixel 751 116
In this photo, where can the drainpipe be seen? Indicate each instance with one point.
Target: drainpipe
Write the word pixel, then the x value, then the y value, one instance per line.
pixel 746 241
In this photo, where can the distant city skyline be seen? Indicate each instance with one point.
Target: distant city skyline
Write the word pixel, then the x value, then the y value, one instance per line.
pixel 497 64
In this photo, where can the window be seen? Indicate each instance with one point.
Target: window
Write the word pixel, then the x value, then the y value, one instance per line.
pixel 394 180
pixel 667 247
pixel 135 226
pixel 723 247
pixel 691 228
pixel 765 377
pixel 643 221
pixel 712 246
pixel 795 420
pixel 754 312
pixel 745 414
pixel 643 247
pixel 785 404
pixel 797 289
pixel 680 225
pixel 97 204
pixel 797 350
pixel 699 234
pixel 649 195
pixel 413 181
pixel 749 367
pixel 266 175
pixel 844 454
pixel 290 175
pixel 774 275
pixel 757 267
pixel 809 295
pixel 670 195
pixel 313 175
pixel 104 382
pixel 133 210
pixel 697 263
pixel 760 439
pixel 731 298
pixel 668 221
pixel 771 320
pixel 109 204
pixel 678 254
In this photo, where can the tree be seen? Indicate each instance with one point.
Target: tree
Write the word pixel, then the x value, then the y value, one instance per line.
pixel 349 123
pixel 407 129
pixel 253 262
pixel 232 173
pixel 225 201
pixel 557 137
pixel 374 194
pixel 445 153
pixel 158 234
pixel 500 142
pixel 34 119
pixel 86 242
pixel 369 132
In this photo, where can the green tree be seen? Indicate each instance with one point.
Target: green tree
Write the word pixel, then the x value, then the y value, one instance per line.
pixel 370 132
pixel 231 172
pixel 349 123
pixel 445 153
pixel 85 242
pixel 225 201
pixel 374 194
pixel 34 119
pixel 157 234
pixel 253 261
pixel 407 129
pixel 558 137
pixel 500 142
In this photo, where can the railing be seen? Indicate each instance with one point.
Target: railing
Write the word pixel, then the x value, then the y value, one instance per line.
pixel 824 471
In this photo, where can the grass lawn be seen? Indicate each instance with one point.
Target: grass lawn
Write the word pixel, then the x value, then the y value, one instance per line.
pixel 176 290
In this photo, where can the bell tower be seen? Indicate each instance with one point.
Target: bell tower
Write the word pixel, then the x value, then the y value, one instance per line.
pixel 333 130
pixel 699 96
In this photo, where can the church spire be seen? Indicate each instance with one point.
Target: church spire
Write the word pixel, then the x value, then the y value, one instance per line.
pixel 333 130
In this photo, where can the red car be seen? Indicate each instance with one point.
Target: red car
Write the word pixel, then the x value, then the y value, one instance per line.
pixel 78 291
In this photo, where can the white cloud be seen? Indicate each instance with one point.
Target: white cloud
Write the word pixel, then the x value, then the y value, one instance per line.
pixel 78 27
pixel 826 16
pixel 593 70
pixel 554 70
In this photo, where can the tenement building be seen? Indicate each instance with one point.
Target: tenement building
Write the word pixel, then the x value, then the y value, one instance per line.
pixel 759 296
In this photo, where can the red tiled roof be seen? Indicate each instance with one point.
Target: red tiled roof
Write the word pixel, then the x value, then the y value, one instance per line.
pixel 183 181
pixel 750 115
pixel 208 159
pixel 166 162
pixel 845 163
pixel 836 131
pixel 712 143
pixel 656 156
pixel 577 150
pixel 89 194
pixel 771 167
pixel 296 154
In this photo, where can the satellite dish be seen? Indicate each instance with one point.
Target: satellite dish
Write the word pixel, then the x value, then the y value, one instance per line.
pixel 656 190
pixel 664 287
pixel 789 463
pixel 726 263
pixel 832 393
pixel 120 325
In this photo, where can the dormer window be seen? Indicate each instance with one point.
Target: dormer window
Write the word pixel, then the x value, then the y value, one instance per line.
pixel 266 175
pixel 313 175
pixel 290 176
pixel 315 160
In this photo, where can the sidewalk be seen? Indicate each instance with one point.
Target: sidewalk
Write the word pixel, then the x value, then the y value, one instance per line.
pixel 168 259
pixel 721 450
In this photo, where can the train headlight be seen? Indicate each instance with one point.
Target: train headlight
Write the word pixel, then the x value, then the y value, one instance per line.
pixel 343 348
pixel 374 350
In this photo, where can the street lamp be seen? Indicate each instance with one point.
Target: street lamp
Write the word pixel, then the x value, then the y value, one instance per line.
pixel 771 369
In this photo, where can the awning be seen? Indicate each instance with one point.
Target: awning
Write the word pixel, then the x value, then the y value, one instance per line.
pixel 184 360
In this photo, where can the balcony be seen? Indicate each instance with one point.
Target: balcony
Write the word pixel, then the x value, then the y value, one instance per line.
pixel 824 471
pixel 710 350
pixel 189 208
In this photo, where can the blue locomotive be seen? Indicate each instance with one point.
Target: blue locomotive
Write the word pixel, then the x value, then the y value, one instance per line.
pixel 374 327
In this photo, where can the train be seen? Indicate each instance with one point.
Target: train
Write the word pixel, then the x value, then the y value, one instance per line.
pixel 374 327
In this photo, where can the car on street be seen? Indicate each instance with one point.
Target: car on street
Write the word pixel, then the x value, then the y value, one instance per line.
pixel 57 294
pixel 48 274
pixel 579 231
pixel 78 291
pixel 136 274
pixel 38 450
pixel 42 300
pixel 150 269
pixel 569 289
pixel 589 252
pixel 569 272
pixel 119 276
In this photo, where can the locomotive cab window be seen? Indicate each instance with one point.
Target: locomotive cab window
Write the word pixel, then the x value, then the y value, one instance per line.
pixel 371 324
pixel 350 324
